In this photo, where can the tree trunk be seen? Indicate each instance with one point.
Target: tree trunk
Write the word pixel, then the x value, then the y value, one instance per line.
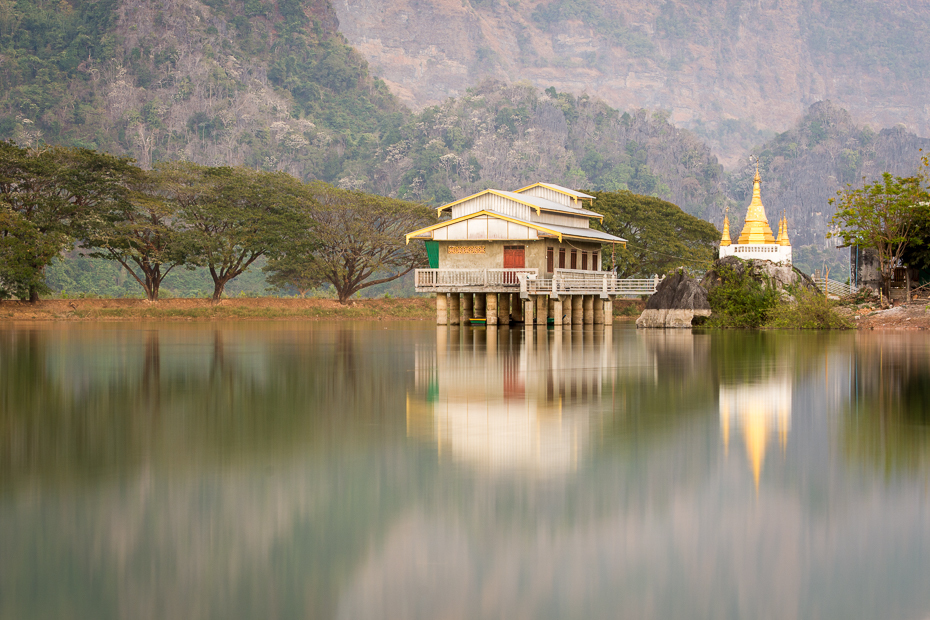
pixel 33 295
pixel 219 284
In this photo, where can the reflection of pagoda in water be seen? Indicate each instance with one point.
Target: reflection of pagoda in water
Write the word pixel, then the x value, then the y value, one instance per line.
pixel 496 401
pixel 759 411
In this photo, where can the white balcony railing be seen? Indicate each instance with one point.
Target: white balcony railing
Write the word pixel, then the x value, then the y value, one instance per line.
pixel 563 282
pixel 495 278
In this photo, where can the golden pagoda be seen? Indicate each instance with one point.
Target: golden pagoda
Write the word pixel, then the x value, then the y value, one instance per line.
pixel 757 241
pixel 756 230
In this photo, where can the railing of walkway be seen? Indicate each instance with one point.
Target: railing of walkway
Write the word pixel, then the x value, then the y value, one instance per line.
pixel 832 287
pixel 566 282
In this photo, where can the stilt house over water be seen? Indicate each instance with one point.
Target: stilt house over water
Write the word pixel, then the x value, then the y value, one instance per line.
pixel 521 256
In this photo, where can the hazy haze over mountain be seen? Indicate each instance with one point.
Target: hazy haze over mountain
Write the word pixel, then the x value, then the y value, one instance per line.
pixel 735 71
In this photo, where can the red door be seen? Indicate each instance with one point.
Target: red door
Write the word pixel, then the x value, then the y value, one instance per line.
pixel 513 259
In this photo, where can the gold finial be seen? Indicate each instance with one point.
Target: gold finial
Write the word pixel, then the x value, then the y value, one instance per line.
pixel 783 235
pixel 756 229
pixel 725 240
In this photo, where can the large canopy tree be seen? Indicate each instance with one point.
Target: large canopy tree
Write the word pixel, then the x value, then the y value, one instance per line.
pixel 885 215
pixel 357 242
pixel 236 215
pixel 660 236
pixel 49 195
pixel 143 232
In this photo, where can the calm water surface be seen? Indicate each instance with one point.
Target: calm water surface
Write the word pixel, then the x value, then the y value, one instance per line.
pixel 395 470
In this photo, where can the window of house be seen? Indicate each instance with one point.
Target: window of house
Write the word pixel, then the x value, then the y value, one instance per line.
pixel 595 265
pixel 584 261
pixel 550 260
pixel 561 258
pixel 574 259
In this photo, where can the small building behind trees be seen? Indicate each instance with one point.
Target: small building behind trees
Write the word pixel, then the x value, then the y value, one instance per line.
pixel 522 256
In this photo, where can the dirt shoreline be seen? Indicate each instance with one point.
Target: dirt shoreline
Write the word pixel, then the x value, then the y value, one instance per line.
pixel 241 308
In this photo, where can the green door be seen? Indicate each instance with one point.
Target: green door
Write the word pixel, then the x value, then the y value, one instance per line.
pixel 432 252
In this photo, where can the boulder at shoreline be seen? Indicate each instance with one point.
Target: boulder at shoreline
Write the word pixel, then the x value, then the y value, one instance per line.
pixel 675 304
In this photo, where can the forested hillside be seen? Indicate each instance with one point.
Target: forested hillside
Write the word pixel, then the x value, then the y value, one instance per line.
pixel 803 168
pixel 268 85
pixel 733 70
pixel 510 136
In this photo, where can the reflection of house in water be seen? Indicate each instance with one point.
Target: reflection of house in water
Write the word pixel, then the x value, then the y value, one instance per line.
pixel 500 402
pixel 759 411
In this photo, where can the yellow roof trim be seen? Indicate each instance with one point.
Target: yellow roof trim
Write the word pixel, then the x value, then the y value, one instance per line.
pixel 461 200
pixel 549 187
pixel 476 214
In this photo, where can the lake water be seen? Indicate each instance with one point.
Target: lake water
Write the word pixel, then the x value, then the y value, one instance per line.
pixel 400 470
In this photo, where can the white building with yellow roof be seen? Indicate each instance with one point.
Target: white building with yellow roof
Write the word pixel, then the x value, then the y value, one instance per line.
pixel 757 241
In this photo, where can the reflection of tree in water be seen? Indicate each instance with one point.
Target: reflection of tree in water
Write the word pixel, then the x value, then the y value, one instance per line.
pixel 256 471
pixel 887 424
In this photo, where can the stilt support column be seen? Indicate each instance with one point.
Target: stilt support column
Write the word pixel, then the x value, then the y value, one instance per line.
pixel 491 308
pixel 442 317
pixel 588 309
pixel 455 311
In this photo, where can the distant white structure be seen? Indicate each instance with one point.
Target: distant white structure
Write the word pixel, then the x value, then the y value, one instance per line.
pixel 756 240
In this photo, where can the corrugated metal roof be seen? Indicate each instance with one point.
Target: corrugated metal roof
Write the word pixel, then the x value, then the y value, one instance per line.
pixel 546 205
pixel 569 231
pixel 586 233
pixel 558 188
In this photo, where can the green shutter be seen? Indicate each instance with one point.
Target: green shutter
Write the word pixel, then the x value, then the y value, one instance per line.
pixel 432 251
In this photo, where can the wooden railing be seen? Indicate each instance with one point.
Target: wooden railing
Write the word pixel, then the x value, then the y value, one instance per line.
pixel 495 278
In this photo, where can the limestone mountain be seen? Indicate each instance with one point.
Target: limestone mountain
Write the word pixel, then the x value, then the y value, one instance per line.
pixel 238 82
pixel 735 71
pixel 803 167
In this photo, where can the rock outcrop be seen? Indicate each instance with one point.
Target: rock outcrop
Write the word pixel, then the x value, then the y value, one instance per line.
pixel 675 304
pixel 782 277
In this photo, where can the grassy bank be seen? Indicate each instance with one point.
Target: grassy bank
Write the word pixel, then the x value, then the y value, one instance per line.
pixel 258 308
pixel 252 308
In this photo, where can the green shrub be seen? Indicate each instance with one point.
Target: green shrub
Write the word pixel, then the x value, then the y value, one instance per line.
pixel 810 310
pixel 740 301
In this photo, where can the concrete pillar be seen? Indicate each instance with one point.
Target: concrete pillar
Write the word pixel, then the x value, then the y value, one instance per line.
pixel 503 309
pixel 442 317
pixel 588 309
pixel 608 312
pixel 468 307
pixel 542 309
pixel 491 301
pixel 557 311
pixel 577 310
pixel 567 310
pixel 598 311
pixel 528 311
pixel 479 306
pixel 455 312
pixel 516 307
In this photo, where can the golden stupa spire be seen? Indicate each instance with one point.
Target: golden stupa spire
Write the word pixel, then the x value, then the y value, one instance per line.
pixel 756 230
pixel 783 235
pixel 725 240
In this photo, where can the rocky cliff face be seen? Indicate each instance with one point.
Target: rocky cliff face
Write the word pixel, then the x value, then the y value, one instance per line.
pixel 731 70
